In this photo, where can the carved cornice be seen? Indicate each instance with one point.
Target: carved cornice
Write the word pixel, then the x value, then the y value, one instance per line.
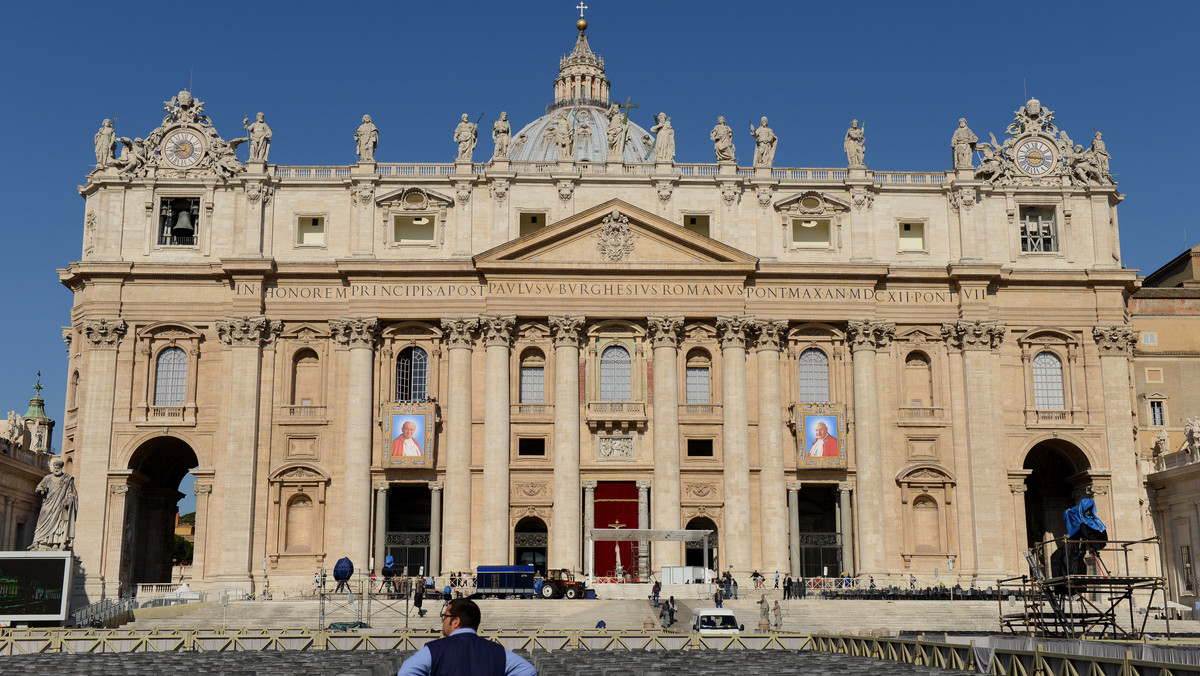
pixel 870 334
pixel 354 332
pixel 103 333
pixel 1114 340
pixel 497 329
pixel 459 331
pixel 566 329
pixel 731 331
pixel 248 331
pixel 973 334
pixel 664 330
pixel 770 333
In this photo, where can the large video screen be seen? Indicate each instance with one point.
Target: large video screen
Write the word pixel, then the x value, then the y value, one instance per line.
pixel 34 586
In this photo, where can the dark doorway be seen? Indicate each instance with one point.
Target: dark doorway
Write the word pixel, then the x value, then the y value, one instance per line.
pixel 820 541
pixel 693 553
pixel 407 538
pixel 1056 469
pixel 148 537
pixel 530 540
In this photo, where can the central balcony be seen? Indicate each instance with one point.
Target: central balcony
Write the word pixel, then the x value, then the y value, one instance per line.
pixel 616 415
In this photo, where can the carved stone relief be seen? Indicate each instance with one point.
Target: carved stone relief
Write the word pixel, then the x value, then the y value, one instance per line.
pixel 615 238
pixel 615 448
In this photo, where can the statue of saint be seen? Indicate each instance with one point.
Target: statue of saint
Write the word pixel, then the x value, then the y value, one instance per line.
pixel 664 145
pixel 963 142
pixel 502 135
pixel 60 506
pixel 1100 151
pixel 617 135
pixel 564 137
pixel 855 145
pixel 16 429
pixel 260 137
pixel 367 140
pixel 765 142
pixel 106 144
pixel 465 135
pixel 722 138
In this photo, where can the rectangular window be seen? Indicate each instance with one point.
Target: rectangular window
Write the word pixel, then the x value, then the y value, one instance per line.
pixel 310 231
pixel 531 447
pixel 533 388
pixel 697 224
pixel 808 233
pixel 1038 232
pixel 912 236
pixel 1157 415
pixel 1149 338
pixel 532 222
pixel 700 448
pixel 413 230
pixel 178 221
pixel 697 385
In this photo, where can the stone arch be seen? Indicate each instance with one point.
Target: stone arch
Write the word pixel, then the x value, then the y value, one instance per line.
pixel 1055 472
pixel 297 509
pixel 148 496
pixel 694 551
pixel 531 540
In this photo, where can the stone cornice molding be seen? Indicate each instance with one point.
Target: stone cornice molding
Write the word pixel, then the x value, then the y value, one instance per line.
pixel 248 331
pixel 770 333
pixel 566 329
pixel 664 330
pixel 497 329
pixel 974 334
pixel 459 331
pixel 1115 339
pixel 102 334
pixel 870 334
pixel 731 331
pixel 354 332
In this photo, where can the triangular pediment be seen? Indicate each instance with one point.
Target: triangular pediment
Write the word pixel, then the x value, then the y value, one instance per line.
pixel 616 235
pixel 812 202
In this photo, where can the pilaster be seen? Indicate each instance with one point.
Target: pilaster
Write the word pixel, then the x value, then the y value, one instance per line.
pixel 435 528
pixel 459 333
pixel 1115 343
pixel 866 338
pixel 565 546
pixel 643 562
pixel 732 333
pixel 773 517
pixel 358 335
pixel 497 337
pixel 664 339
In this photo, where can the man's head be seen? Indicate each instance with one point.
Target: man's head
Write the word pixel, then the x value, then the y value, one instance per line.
pixel 260 117
pixel 56 466
pixel 460 614
pixel 408 429
pixel 465 117
pixel 821 430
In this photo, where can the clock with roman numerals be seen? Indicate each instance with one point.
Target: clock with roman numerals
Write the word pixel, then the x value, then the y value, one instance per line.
pixel 1035 156
pixel 183 148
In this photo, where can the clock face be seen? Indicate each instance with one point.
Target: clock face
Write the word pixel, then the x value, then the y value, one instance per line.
pixel 183 148
pixel 1035 157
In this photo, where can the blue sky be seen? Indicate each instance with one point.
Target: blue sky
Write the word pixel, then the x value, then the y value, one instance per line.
pixel 907 70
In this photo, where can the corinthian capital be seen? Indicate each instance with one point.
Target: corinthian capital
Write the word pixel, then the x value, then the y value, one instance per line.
pixel 870 334
pixel 103 333
pixel 732 330
pixel 566 329
pixel 664 330
pixel 497 329
pixel 1114 340
pixel 248 331
pixel 973 334
pixel 459 330
pixel 770 333
pixel 354 331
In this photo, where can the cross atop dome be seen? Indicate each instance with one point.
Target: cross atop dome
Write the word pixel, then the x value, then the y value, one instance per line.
pixel 581 78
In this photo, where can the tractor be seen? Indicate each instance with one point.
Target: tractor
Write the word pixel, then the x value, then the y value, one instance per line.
pixel 562 584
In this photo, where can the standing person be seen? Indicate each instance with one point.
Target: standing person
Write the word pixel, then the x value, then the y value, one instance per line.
pixel 463 651
pixel 778 615
pixel 777 579
pixel 419 598
pixel 735 589
pixel 717 599
pixel 655 591
pixel 787 587
pixel 912 581
pixel 764 610
pixel 803 586
pixel 671 608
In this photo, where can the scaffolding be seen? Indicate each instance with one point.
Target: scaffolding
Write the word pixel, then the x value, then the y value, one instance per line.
pixel 1065 604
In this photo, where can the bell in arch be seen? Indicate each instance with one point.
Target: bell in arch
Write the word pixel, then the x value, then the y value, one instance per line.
pixel 183 224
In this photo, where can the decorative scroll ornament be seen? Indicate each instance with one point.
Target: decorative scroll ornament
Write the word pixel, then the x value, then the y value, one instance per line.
pixel 248 331
pixel 497 329
pixel 203 489
pixel 665 188
pixel 963 198
pixel 566 329
pixel 185 144
pixel 861 198
pixel 664 331
pixel 354 331
pixel 362 193
pixel 763 192
pixel 499 189
pixel 257 191
pixel 729 193
pixel 731 331
pixel 1114 340
pixel 770 333
pixel 615 238
pixel 705 490
pixel 459 330
pixel 1038 153
pixel 566 190
pixel 870 333
pixel 973 334
pixel 462 192
pixel 103 333
pixel 531 489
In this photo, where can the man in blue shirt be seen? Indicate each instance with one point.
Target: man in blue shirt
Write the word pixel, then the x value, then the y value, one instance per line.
pixel 463 652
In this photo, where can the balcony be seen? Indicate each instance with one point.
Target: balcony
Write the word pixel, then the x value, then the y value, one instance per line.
pixel 1050 418
pixel 161 416
pixel 611 415
pixel 700 413
pixel 303 414
pixel 531 413
pixel 921 416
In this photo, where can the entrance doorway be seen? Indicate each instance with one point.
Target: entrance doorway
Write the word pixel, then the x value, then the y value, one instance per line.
pixel 1057 469
pixel 530 540
pixel 693 553
pixel 820 541
pixel 408 522
pixel 616 506
pixel 148 536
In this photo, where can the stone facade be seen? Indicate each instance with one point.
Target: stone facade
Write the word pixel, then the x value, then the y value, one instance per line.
pixel 590 334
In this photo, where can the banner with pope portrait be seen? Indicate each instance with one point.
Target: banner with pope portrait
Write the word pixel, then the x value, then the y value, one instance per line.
pixel 821 435
pixel 408 434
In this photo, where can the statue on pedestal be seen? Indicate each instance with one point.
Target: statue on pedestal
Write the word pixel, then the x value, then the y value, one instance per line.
pixel 106 144
pixel 15 431
pixel 466 134
pixel 765 142
pixel 664 145
pixel 855 145
pixel 502 135
pixel 1100 152
pixel 963 142
pixel 60 505
pixel 564 137
pixel 367 140
pixel 722 138
pixel 260 137
pixel 618 133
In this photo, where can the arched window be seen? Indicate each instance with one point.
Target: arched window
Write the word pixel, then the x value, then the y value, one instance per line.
pixel 533 377
pixel 412 374
pixel 814 376
pixel 697 378
pixel 306 378
pixel 1048 382
pixel 616 374
pixel 918 381
pixel 170 377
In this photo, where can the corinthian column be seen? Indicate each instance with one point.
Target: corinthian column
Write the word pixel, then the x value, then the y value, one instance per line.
pixel 664 336
pixel 732 333
pixel 243 338
pixel 772 503
pixel 95 442
pixel 564 542
pixel 457 550
pixel 866 337
pixel 1115 342
pixel 643 558
pixel 435 528
pixel 979 342
pixel 497 336
pixel 357 334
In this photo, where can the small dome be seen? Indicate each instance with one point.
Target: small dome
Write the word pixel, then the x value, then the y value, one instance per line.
pixel 532 144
